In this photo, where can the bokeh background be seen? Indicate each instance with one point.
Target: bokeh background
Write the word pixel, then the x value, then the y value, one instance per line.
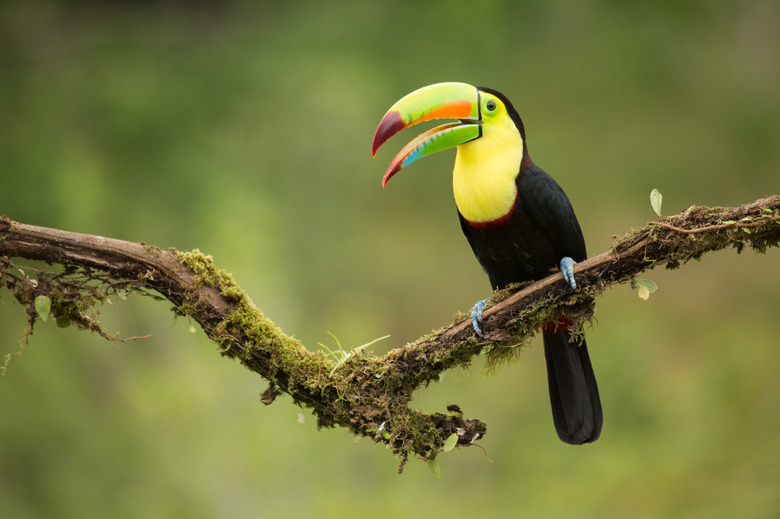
pixel 244 129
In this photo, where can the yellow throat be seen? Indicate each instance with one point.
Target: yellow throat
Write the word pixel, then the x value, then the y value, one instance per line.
pixel 483 180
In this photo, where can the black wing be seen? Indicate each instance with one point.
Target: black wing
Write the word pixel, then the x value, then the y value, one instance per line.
pixel 550 209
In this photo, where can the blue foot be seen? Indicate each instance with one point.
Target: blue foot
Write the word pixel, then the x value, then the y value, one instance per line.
pixel 476 315
pixel 567 268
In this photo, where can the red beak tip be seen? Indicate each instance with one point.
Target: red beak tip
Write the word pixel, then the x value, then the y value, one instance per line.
pixel 389 173
pixel 389 126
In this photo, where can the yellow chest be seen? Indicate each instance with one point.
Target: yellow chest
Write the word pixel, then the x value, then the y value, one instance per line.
pixel 483 180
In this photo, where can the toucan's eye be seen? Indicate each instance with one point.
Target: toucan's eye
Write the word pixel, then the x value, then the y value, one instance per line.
pixel 491 106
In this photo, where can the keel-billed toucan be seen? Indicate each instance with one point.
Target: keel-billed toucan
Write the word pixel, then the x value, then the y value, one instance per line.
pixel 517 219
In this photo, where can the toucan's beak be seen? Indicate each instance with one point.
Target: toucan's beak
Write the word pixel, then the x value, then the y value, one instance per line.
pixel 439 101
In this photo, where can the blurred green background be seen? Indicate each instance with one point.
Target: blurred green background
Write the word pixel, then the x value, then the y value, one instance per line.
pixel 244 129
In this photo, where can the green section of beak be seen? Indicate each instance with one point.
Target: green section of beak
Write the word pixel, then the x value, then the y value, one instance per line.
pixel 439 101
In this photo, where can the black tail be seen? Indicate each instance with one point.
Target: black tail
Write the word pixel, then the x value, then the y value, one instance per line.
pixel 574 396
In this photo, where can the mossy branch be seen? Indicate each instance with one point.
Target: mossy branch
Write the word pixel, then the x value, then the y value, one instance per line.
pixel 367 395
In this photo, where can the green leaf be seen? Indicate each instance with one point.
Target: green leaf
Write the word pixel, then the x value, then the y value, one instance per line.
pixel 433 465
pixel 362 346
pixel 63 321
pixel 450 443
pixel 645 287
pixel 43 307
pixel 344 356
pixel 655 201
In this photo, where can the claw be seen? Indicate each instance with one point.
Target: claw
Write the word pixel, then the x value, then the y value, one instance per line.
pixel 567 268
pixel 476 315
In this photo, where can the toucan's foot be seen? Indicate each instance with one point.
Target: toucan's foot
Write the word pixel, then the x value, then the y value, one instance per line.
pixel 567 268
pixel 476 315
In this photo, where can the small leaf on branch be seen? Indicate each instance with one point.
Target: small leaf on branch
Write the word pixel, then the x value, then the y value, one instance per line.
pixel 43 307
pixel 645 287
pixel 450 443
pixel 655 200
pixel 433 465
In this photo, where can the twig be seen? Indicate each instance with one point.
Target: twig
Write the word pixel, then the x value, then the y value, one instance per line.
pixel 725 225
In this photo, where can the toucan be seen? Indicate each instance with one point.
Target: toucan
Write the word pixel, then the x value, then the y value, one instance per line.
pixel 517 219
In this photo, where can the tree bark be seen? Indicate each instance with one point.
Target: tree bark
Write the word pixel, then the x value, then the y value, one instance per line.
pixel 367 395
